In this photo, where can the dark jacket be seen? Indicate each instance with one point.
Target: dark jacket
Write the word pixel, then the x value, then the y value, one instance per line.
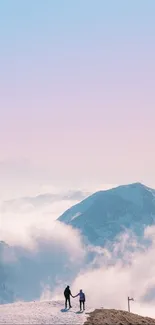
pixel 67 292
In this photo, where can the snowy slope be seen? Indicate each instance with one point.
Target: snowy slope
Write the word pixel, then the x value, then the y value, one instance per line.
pixel 105 214
pixel 47 312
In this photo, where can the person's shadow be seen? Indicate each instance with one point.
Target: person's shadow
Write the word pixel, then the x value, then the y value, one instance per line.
pixel 64 310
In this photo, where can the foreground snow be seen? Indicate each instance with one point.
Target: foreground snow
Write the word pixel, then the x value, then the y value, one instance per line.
pixel 46 312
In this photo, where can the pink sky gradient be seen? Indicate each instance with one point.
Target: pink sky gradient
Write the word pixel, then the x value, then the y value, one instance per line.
pixel 77 92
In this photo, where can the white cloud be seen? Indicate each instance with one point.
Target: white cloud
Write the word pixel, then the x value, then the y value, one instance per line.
pixel 109 285
pixel 47 255
pixel 18 217
pixel 43 252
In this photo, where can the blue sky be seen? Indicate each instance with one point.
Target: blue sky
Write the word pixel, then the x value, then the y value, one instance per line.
pixel 77 88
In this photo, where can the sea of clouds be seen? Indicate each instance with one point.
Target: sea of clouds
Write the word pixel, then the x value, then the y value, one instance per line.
pixel 42 256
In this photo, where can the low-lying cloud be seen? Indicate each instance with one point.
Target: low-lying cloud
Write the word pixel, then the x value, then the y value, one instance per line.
pixel 109 285
pixel 44 255
pixel 19 216
pixel 41 251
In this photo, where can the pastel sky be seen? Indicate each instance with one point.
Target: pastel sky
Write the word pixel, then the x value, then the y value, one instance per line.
pixel 77 99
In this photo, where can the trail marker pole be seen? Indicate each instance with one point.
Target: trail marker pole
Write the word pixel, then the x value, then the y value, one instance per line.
pixel 129 299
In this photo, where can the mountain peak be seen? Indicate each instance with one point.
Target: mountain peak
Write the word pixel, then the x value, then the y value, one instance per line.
pixel 105 214
pixel 137 185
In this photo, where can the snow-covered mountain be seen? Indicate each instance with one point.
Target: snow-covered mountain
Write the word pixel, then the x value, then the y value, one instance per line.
pixel 26 272
pixel 105 214
pixel 53 312
pixel 45 312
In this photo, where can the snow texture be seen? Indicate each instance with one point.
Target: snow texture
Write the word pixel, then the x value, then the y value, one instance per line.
pixel 45 312
pixel 76 215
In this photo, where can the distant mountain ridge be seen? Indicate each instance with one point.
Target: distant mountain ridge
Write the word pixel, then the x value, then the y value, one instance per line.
pixel 42 200
pixel 105 214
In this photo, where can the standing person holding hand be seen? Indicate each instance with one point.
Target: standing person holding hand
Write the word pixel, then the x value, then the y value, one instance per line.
pixel 81 299
pixel 67 294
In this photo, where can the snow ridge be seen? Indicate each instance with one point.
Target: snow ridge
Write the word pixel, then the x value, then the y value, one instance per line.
pixel 45 312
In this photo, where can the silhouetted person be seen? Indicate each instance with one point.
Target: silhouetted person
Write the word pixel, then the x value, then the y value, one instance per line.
pixel 67 294
pixel 81 299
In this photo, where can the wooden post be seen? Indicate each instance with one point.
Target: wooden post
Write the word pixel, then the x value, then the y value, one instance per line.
pixel 128 304
pixel 129 299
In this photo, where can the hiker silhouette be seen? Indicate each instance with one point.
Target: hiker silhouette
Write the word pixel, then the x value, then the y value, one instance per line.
pixel 67 294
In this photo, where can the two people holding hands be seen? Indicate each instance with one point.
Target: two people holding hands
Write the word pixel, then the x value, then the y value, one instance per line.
pixel 67 294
